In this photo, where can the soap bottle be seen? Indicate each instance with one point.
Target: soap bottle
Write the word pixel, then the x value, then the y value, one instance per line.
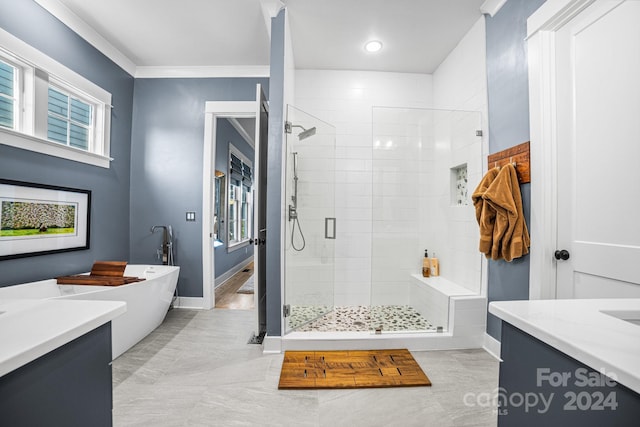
pixel 435 265
pixel 426 265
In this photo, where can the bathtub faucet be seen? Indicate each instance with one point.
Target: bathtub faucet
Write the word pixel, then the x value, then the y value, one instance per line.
pixel 167 244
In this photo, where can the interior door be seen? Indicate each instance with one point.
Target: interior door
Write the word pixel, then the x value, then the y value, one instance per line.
pixel 598 115
pixel 260 211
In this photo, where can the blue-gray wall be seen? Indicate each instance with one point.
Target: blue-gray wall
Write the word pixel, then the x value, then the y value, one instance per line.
pixel 26 20
pixel 165 177
pixel 508 92
pixel 274 172
pixel 166 157
pixel 227 134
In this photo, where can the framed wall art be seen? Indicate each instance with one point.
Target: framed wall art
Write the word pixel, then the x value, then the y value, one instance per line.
pixel 39 219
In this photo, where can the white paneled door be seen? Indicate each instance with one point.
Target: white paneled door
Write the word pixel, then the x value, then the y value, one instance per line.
pixel 598 139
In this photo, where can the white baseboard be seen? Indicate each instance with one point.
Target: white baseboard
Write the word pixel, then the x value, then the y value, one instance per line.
pixel 233 270
pixel 272 344
pixel 189 302
pixel 492 346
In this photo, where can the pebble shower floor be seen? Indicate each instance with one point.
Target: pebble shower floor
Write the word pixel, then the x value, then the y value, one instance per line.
pixel 389 318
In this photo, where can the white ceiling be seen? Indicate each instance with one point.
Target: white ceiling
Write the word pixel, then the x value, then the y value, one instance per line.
pixel 327 34
pixel 416 34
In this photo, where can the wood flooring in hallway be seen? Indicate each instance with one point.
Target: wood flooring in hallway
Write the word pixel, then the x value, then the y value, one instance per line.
pixel 227 296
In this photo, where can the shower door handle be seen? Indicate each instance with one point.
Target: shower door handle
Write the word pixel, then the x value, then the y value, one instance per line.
pixel 329 228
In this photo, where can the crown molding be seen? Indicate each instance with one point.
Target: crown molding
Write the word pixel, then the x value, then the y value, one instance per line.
pixel 270 9
pixel 81 28
pixel 491 7
pixel 160 72
pixel 70 19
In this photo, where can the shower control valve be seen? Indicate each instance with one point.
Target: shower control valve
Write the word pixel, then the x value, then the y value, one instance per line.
pixel 293 212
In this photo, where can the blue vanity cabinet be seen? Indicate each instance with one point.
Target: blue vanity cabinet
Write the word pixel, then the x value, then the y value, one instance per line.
pixel 541 386
pixel 67 387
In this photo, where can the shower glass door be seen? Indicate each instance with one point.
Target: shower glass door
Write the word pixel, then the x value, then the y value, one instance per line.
pixel 310 221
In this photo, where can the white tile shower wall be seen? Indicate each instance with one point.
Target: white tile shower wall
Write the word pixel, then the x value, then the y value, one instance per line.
pixel 312 268
pixel 397 145
pixel 460 84
pixel 445 224
pixel 345 99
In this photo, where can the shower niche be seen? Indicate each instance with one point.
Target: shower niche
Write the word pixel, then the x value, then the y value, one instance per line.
pixel 459 185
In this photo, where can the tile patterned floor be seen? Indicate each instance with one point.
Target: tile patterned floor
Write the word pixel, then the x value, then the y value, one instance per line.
pixel 197 369
pixel 388 318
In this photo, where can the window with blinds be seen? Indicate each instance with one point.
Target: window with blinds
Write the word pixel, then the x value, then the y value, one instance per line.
pixel 240 171
pixel 240 198
pixel 8 75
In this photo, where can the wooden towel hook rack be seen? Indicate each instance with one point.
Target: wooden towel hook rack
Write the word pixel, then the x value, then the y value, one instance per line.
pixel 518 155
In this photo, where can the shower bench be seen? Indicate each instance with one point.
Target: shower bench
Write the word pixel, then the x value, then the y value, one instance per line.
pixel 459 311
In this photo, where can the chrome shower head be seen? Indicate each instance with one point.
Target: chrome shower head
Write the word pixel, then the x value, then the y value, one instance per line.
pixel 306 133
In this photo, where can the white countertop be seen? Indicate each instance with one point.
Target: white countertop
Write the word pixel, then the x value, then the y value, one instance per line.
pixel 580 329
pixel 32 328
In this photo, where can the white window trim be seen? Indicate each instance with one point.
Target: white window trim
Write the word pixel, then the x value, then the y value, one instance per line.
pixel 18 80
pixel 32 134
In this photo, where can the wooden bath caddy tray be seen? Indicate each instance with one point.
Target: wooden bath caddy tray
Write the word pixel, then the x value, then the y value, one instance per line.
pixel 103 273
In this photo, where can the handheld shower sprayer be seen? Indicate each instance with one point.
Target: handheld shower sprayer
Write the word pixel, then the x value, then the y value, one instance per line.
pixel 293 207
pixel 294 196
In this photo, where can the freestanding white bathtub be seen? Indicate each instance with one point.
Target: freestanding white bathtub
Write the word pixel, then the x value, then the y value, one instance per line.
pixel 147 301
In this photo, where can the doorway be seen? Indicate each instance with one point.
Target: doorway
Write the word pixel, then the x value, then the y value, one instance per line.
pixel 244 179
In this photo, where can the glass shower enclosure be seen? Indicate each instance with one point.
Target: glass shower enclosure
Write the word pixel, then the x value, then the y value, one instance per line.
pixel 426 164
pixel 310 221
pixel 413 192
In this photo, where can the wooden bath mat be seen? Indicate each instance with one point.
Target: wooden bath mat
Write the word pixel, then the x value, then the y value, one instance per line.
pixel 350 369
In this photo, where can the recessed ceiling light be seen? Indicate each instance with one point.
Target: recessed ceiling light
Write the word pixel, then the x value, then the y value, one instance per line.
pixel 373 46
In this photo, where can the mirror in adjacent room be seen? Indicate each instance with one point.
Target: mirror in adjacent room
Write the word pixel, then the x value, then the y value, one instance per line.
pixel 219 186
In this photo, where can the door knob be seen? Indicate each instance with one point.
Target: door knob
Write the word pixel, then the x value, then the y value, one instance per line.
pixel 562 254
